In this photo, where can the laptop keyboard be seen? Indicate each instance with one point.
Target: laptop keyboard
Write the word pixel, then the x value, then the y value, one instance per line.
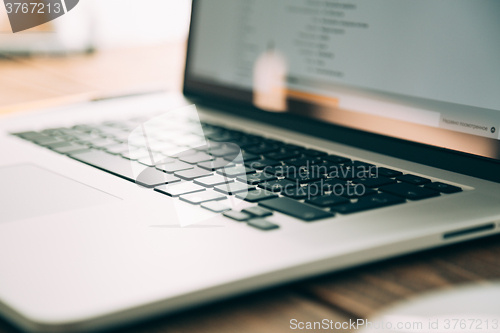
pixel 307 184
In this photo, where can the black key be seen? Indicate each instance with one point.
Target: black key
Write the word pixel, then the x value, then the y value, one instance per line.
pixel 289 146
pixel 350 173
pixel 443 188
pixel 261 164
pixel 123 168
pixel 336 159
pixel 235 171
pixel 296 192
pixel 329 184
pixel 263 148
pixel 238 216
pixel 385 172
pixel 245 157
pixel 256 178
pixel 281 170
pixel 262 224
pixel 409 191
pixel 304 161
pixel 201 197
pixel 283 154
pixel 353 191
pixel 412 179
pixel 371 202
pixel 256 196
pixel 233 188
pixel 296 209
pixel 212 181
pixel 374 182
pixel 327 201
pixel 258 211
pixel 71 149
pixel 313 152
pixel 305 177
pixel 179 189
pixel 191 174
pixel 174 167
pixel 277 186
pixel 215 165
pixel 246 141
pixel 326 168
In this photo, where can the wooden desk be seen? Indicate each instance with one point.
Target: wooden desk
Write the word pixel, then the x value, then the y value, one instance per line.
pixel 357 293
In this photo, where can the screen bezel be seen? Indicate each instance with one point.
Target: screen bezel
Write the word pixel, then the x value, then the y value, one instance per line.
pixel 476 160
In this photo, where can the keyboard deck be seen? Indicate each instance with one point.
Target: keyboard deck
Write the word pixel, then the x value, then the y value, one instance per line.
pixel 304 183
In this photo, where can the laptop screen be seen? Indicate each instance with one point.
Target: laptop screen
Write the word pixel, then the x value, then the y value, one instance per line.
pixel 426 71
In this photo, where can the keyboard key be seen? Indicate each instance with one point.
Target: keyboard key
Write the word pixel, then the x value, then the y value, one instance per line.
pixel 330 184
pixel 151 177
pixel 196 158
pixel 443 188
pixel 215 165
pixel 385 172
pixel 215 206
pixel 256 196
pixel 327 200
pixel 157 160
pixel 314 153
pixel 296 209
pixel 277 186
pixel 174 167
pixel 354 191
pixel 409 191
pixel 180 189
pixel 233 188
pixel 256 178
pixel 261 164
pixel 118 149
pixel 191 174
pixel 263 148
pixel 335 159
pixel 201 197
pixel 350 173
pixel 262 224
pixel 412 179
pixel 295 192
pixel 258 211
pixel 135 154
pixel 374 182
pixel 305 177
pixel 238 216
pixel 371 202
pixel 360 164
pixel 283 154
pixel 245 157
pixel 225 151
pixel 304 161
pixel 123 168
pixel 71 149
pixel 212 181
pixel 235 171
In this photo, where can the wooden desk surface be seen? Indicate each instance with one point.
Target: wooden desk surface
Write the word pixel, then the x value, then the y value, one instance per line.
pixel 356 293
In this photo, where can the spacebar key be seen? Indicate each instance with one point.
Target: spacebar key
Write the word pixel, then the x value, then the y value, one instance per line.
pixel 296 209
pixel 107 162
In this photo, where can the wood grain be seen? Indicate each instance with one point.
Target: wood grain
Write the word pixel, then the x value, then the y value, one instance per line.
pixel 357 293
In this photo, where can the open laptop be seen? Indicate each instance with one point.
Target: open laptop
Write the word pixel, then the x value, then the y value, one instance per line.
pixel 323 135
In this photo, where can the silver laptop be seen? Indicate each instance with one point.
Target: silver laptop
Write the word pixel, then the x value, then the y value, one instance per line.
pixel 312 136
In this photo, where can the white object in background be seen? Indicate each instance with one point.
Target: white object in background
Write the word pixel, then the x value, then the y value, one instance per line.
pixel 70 33
pixel 465 309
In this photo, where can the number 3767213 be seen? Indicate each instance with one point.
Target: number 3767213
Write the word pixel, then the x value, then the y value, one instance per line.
pixel 33 8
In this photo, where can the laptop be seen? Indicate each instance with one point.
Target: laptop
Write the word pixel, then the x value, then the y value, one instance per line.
pixel 311 137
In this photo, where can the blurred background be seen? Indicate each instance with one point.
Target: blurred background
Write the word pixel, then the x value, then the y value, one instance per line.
pixel 99 48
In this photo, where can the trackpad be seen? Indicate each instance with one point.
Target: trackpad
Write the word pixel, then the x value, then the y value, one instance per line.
pixel 28 191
